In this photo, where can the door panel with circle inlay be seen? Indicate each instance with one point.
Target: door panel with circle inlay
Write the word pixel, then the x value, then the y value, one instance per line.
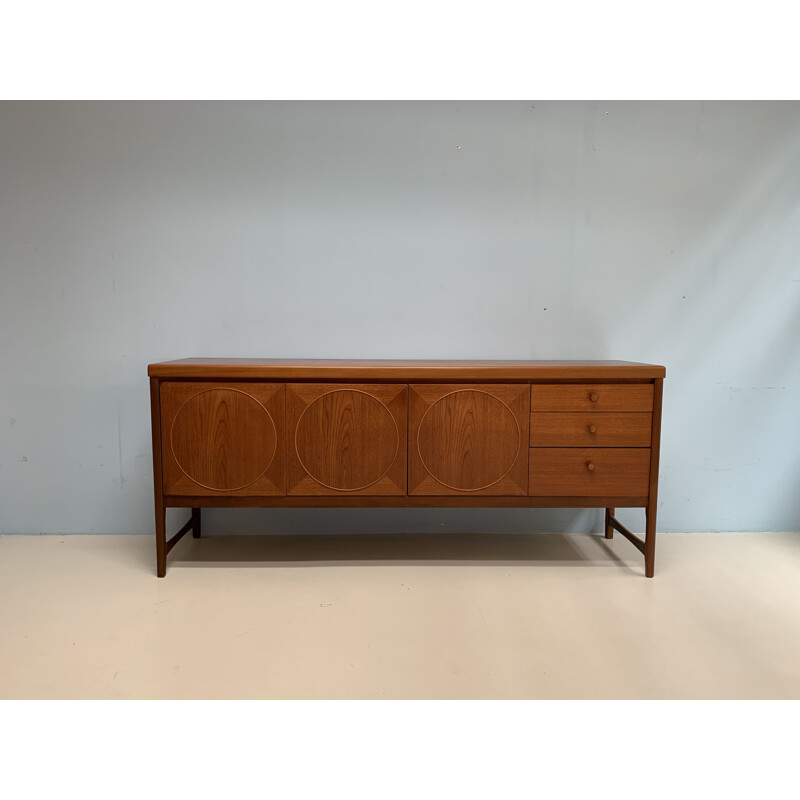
pixel 346 439
pixel 226 439
pixel 468 439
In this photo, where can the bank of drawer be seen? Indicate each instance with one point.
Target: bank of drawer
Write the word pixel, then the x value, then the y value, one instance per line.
pixel 588 471
pixel 587 429
pixel 591 397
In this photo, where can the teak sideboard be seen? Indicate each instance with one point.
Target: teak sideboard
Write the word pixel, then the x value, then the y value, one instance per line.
pixel 283 433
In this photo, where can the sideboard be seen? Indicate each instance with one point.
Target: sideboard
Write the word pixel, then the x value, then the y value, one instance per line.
pixel 279 433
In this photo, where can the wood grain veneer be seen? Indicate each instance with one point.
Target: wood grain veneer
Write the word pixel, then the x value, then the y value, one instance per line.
pixel 589 471
pixel 588 429
pixel 462 500
pixel 468 439
pixel 222 438
pixel 592 397
pixel 405 371
pixel 346 438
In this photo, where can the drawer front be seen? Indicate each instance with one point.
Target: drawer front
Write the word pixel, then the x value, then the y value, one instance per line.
pixel 592 397
pixel 585 429
pixel 589 472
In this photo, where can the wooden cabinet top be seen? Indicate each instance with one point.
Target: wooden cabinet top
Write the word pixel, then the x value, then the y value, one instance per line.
pixel 287 369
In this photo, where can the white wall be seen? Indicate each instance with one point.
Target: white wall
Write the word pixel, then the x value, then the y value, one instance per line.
pixel 138 232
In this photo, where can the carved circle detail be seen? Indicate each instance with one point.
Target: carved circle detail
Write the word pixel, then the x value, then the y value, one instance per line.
pixel 346 440
pixel 223 439
pixel 468 440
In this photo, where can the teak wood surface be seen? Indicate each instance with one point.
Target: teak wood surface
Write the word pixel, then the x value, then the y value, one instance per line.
pixel 587 429
pixel 278 433
pixel 589 471
pixel 468 438
pixel 223 438
pixel 592 397
pixel 346 439
pixel 405 371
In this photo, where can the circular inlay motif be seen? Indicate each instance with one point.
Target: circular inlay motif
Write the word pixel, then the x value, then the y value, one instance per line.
pixel 223 439
pixel 468 440
pixel 346 440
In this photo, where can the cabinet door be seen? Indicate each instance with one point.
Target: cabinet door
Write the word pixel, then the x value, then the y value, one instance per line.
pixel 223 438
pixel 468 439
pixel 346 439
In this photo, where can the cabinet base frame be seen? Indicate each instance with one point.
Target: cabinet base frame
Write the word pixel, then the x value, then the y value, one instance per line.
pixel 401 501
pixel 164 545
pixel 646 546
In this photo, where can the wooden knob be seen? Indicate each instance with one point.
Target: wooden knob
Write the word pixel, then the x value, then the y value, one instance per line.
pixel 590 466
pixel 593 429
pixel 593 397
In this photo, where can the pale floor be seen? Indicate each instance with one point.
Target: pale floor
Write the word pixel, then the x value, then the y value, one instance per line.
pixel 437 616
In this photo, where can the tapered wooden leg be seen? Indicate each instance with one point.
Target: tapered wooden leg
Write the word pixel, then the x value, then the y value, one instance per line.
pixel 161 540
pixel 609 529
pixel 196 523
pixel 650 543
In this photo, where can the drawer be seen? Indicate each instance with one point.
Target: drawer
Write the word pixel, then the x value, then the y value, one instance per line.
pixel 591 397
pixel 587 429
pixel 588 472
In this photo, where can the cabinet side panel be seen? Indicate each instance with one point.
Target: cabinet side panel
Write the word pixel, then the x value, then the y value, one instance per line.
pixel 155 421
pixel 655 453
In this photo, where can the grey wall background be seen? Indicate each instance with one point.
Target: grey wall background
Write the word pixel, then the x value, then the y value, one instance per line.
pixel 138 232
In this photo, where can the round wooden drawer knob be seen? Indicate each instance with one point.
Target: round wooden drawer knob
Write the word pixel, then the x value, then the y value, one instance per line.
pixel 593 397
pixel 593 429
pixel 590 466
